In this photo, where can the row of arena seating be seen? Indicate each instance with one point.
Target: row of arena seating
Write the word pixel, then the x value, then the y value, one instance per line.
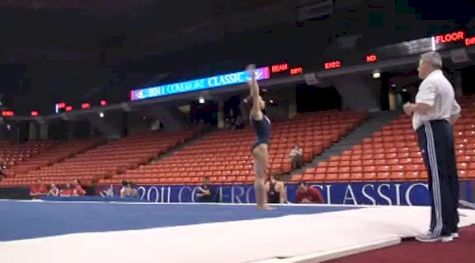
pixel 225 156
pixel 11 154
pixel 57 153
pixel 106 159
pixel 392 154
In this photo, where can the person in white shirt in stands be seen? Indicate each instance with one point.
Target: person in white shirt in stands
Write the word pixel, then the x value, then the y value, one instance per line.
pixel 53 190
pixel 433 114
pixel 2 170
pixel 296 157
pixel 133 192
pixel 124 191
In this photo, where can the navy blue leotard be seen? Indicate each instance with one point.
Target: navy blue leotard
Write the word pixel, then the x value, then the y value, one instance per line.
pixel 262 129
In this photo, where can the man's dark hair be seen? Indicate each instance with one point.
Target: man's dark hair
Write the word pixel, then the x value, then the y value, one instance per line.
pixel 124 183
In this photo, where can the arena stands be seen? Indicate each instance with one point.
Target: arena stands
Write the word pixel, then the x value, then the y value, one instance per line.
pixel 55 154
pixel 11 154
pixel 105 160
pixel 392 154
pixel 225 156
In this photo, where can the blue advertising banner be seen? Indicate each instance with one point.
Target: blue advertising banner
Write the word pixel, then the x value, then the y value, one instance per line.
pixel 384 193
pixel 199 84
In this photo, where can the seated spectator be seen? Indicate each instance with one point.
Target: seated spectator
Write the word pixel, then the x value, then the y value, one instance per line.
pixel 66 191
pixel 132 190
pixel 77 189
pixel 53 190
pixel 296 157
pixel 38 189
pixel 205 193
pixel 306 194
pixel 276 192
pixel 128 189
pixel 124 191
pixel 2 170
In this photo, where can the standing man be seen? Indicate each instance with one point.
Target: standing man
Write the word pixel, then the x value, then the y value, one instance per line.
pixel 433 115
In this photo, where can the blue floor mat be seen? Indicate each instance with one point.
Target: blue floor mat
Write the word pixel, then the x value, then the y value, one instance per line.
pixel 23 220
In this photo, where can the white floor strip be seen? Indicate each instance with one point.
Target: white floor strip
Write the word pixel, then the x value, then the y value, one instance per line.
pixel 297 238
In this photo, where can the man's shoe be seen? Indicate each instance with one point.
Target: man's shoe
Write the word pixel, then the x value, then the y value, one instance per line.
pixel 446 239
pixel 429 237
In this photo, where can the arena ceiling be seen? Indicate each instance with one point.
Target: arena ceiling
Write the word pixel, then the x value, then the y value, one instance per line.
pixel 69 29
pixel 135 29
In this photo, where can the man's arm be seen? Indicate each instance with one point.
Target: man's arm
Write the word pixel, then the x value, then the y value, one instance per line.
pixel 454 113
pixel 420 108
pixel 425 99
pixel 453 119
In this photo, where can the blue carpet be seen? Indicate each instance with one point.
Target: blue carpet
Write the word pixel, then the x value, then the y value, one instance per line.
pixel 23 220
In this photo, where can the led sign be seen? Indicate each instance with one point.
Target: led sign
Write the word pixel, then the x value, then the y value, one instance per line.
pixel 279 68
pixel 8 113
pixel 296 71
pixel 58 106
pixel 332 64
pixel 371 58
pixel 450 37
pixel 199 84
pixel 85 105
pixel 470 41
